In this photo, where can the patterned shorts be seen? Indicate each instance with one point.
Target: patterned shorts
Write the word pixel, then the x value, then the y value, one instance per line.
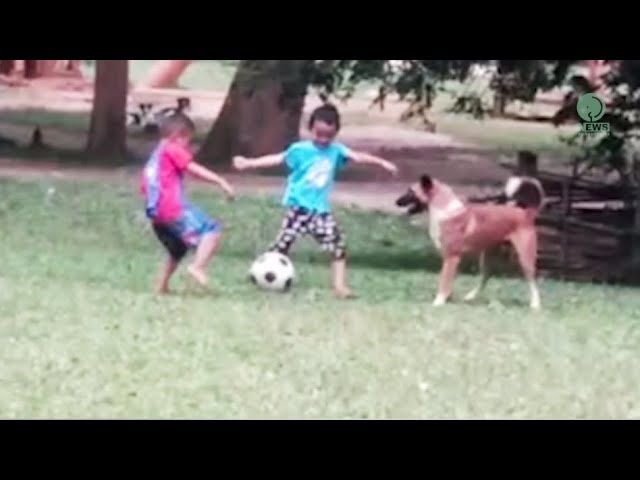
pixel 321 226
pixel 185 232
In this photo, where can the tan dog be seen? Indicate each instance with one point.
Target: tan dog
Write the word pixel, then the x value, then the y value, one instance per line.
pixel 457 228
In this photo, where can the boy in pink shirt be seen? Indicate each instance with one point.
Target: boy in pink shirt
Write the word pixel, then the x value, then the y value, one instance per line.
pixel 179 225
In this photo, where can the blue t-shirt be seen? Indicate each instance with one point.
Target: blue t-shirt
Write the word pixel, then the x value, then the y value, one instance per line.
pixel 313 172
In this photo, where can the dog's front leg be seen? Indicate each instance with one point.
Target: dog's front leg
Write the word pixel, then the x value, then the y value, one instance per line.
pixel 447 274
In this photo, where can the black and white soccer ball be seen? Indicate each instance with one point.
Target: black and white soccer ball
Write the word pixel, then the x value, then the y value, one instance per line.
pixel 272 271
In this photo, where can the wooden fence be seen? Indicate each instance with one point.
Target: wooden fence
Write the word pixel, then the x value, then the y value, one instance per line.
pixel 585 228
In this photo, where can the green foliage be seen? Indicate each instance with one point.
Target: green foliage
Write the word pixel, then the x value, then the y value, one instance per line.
pixel 522 79
pixel 407 78
pixel 417 82
pixel 617 152
pixel 471 103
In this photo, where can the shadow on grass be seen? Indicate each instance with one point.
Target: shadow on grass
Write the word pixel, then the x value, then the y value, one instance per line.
pixel 411 261
pixel 45 118
pixel 68 157
pixel 78 122
pixel 429 261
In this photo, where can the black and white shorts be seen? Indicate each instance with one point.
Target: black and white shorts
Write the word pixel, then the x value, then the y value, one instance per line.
pixel 321 226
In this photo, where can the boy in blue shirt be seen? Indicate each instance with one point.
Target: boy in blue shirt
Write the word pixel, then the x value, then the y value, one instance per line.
pixel 313 167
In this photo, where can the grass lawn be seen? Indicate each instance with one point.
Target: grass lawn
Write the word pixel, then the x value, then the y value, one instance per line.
pixel 84 337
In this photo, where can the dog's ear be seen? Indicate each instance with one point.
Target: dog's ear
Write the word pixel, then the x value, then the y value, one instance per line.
pixel 426 183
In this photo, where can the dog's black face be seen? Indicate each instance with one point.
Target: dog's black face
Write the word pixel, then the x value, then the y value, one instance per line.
pixel 184 103
pixel 416 203
pixel 411 200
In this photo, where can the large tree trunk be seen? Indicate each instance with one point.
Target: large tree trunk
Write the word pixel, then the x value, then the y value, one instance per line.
pixel 40 68
pixel 30 68
pixel 262 111
pixel 107 134
pixel 7 66
pixel 499 104
pixel 165 74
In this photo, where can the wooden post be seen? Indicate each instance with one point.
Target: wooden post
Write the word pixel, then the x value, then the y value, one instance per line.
pixel 634 255
pixel 566 211
pixel 74 66
pixel 527 164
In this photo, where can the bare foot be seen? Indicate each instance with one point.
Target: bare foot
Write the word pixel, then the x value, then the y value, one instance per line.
pixel 199 276
pixel 343 292
pixel 163 290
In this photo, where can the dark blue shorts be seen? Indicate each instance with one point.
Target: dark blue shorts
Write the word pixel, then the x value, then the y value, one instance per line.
pixel 186 232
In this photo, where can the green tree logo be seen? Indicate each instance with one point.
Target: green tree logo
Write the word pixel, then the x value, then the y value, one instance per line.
pixel 590 107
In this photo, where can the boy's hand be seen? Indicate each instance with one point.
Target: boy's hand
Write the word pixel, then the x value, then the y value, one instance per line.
pixel 390 167
pixel 239 162
pixel 229 192
pixel 368 159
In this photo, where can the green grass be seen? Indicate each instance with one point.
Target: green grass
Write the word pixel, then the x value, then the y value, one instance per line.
pixel 498 135
pixel 84 337
pixel 507 136
pixel 30 117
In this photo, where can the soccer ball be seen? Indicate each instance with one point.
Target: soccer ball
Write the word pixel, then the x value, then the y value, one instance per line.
pixel 272 271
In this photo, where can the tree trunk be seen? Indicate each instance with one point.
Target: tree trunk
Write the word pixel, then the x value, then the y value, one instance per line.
pixel 107 133
pixel 527 164
pixel 165 73
pixel 30 68
pixel 262 111
pixel 7 66
pixel 499 104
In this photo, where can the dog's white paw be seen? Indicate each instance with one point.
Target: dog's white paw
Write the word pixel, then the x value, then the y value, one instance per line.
pixel 471 295
pixel 535 298
pixel 439 300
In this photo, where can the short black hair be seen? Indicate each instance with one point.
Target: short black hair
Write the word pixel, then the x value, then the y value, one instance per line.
pixel 326 113
pixel 177 124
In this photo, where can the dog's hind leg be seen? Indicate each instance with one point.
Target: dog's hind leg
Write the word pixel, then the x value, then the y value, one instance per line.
pixel 447 274
pixel 525 241
pixel 484 277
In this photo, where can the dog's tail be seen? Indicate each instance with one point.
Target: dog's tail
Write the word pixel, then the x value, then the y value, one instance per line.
pixel 526 193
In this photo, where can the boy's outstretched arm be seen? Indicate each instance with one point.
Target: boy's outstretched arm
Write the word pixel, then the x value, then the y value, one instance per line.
pixel 243 163
pixel 368 159
pixel 208 176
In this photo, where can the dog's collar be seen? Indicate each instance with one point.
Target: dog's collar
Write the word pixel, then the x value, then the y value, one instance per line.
pixel 452 209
